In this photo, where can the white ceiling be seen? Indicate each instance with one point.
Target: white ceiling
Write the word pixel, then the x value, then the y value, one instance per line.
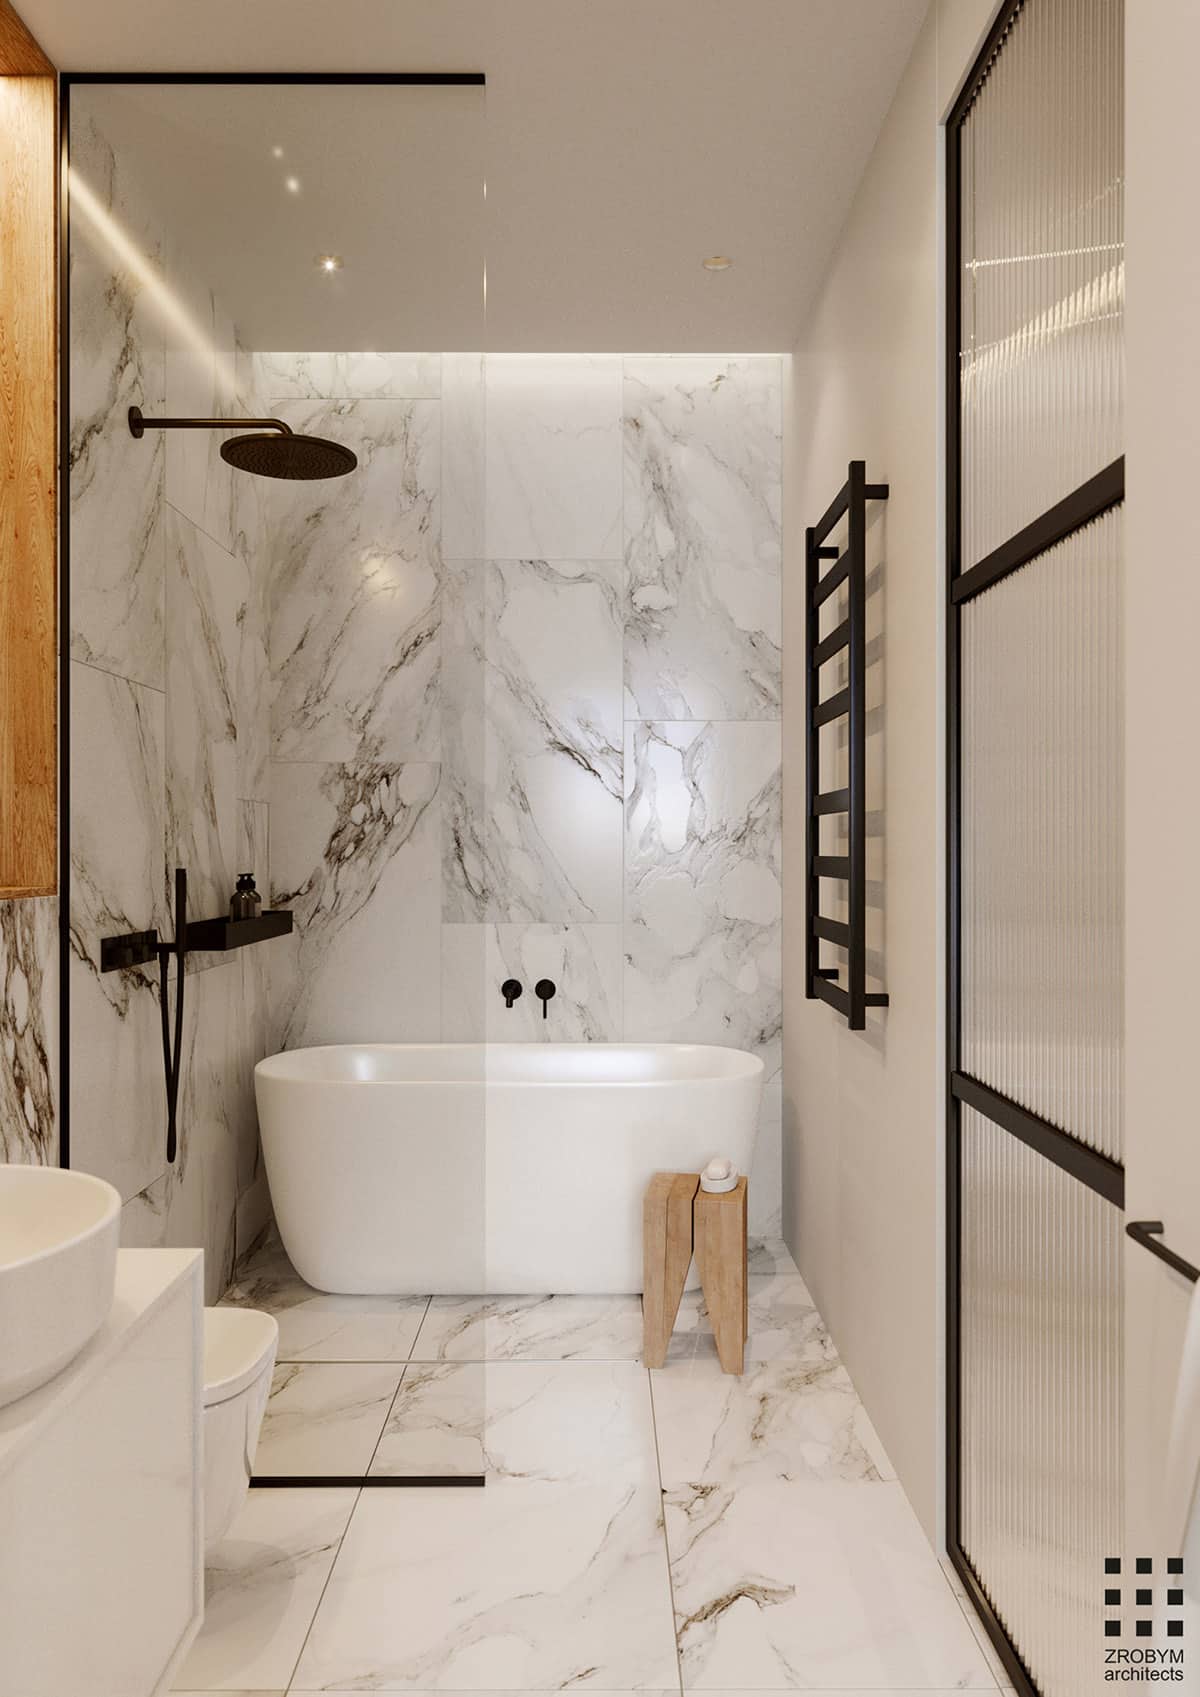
pixel 625 139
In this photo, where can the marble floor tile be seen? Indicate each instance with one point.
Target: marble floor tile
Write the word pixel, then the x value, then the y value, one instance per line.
pixel 570 1422
pixel 325 1417
pixel 524 1586
pixel 314 1326
pixel 781 1420
pixel 262 1586
pixel 436 1422
pixel 783 1324
pixel 767 1255
pixel 813 1586
pixel 988 1650
pixel 531 1328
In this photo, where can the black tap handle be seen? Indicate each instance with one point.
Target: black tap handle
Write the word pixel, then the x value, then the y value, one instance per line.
pixel 544 989
pixel 510 990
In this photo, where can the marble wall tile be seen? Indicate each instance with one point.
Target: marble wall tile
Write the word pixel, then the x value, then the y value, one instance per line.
pixel 356 853
pixel 116 361
pixel 207 591
pixel 355 588
pixel 554 740
pixel 553 457
pixel 351 376
pixel 170 720
pixel 29 1030
pixel 118 883
pixel 584 961
pixel 702 870
pixel 466 873
pixel 702 536
pixel 194 1201
pixel 463 470
pixel 255 1034
pixel 201 382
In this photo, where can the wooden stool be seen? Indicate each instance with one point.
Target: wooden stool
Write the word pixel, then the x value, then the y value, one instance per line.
pixel 679 1219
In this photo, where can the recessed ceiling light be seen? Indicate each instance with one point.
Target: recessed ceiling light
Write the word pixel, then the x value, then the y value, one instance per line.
pixel 292 185
pixel 328 261
pixel 277 153
pixel 716 262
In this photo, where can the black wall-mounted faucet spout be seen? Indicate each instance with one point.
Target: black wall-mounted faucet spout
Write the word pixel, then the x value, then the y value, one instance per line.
pixel 510 990
pixel 544 989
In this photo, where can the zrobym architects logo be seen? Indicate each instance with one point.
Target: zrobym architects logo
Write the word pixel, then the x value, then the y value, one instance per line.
pixel 1143 1619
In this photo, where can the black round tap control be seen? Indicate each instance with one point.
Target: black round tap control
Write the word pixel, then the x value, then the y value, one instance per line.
pixel 544 989
pixel 510 990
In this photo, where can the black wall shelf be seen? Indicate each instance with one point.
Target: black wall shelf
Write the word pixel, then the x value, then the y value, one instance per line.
pixel 849 635
pixel 225 933
pixel 138 948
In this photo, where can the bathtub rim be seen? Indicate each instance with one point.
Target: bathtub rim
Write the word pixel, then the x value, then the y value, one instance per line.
pixel 270 1071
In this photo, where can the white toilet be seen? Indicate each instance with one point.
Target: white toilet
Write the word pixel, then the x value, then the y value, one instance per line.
pixel 239 1357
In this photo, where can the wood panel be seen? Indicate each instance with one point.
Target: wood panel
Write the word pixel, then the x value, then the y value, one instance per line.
pixel 20 55
pixel 666 1257
pixel 28 456
pixel 720 1228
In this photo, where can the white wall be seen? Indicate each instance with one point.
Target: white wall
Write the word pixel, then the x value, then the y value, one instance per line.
pixel 863 1111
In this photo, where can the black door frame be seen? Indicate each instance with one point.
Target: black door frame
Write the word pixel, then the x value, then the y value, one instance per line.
pixel 1088 1166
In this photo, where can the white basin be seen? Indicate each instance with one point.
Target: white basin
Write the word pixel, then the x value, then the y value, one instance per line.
pixel 58 1262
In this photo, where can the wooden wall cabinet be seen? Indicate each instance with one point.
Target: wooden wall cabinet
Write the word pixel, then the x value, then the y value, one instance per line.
pixel 28 462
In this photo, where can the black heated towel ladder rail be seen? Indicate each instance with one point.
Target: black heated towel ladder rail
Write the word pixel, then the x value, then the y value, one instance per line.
pixel 849 635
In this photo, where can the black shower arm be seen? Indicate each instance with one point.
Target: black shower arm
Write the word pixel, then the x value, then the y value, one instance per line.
pixel 138 423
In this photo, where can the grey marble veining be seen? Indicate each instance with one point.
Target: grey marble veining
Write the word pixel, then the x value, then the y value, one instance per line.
pixel 553 457
pixel 355 587
pixel 702 537
pixel 116 359
pixel 828 1585
pixel 463 463
pixel 170 713
pixel 201 382
pixel 316 1326
pixel 525 1586
pixel 194 1201
pixel 355 853
pixel 207 592
pixel 467 875
pixel 29 1030
pixel 702 875
pixel 553 783
pixel 350 376
pixel 583 961
pixel 118 884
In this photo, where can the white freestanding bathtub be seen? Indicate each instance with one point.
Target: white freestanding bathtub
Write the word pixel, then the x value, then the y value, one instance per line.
pixel 459 1168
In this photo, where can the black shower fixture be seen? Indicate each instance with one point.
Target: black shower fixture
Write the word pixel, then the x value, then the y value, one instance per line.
pixel 272 450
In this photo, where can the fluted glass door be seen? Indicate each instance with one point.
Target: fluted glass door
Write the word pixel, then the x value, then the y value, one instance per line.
pixel 1036 805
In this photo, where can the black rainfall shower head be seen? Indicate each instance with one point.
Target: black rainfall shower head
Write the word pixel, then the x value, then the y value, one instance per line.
pixel 288 456
pixel 272 451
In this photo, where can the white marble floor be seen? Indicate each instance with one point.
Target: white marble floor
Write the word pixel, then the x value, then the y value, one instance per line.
pixel 670 1531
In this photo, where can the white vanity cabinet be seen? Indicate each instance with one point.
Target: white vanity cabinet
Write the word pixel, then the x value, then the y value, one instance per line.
pixel 101 1557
